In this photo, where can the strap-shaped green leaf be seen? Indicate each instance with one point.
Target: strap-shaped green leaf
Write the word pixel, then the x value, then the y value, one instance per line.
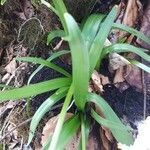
pixel 48 5
pixel 85 130
pixel 55 33
pixel 61 119
pixel 133 31
pixel 98 43
pixel 80 61
pixel 91 28
pixel 108 123
pixel 45 107
pixel 140 65
pixel 61 8
pixel 70 128
pixel 6 86
pixel 3 1
pixel 124 136
pixel 52 57
pixel 34 89
pixel 45 63
pixel 118 48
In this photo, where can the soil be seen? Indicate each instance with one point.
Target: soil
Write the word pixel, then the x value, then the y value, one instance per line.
pixel 124 103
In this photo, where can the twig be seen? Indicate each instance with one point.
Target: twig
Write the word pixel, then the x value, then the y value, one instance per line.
pixel 12 76
pixel 144 93
pixel 19 125
pixel 6 121
pixel 21 146
pixel 58 45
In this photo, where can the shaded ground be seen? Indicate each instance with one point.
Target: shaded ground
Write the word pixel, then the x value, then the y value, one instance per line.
pixel 12 15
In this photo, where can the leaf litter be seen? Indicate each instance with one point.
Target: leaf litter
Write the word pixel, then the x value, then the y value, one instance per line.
pixel 99 81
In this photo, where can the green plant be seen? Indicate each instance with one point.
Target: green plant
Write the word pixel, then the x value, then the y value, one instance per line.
pixel 87 49
pixel 2 2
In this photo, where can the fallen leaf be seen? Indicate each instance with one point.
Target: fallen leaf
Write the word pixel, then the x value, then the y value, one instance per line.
pixel 105 141
pixel 119 75
pixel 133 77
pixel 131 13
pixel 130 17
pixel 104 79
pixel 116 61
pixel 49 128
pixel 4 109
pixel 128 73
pixel 105 133
pixel 73 144
pixel 122 86
pixel 97 82
pixel 145 27
pixel 11 67
pixel 93 143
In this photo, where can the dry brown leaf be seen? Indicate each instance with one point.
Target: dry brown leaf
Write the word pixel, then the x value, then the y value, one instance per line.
pixel 145 27
pixel 97 82
pixel 73 144
pixel 5 107
pixel 119 75
pixel 106 134
pixel 106 131
pixel 49 128
pixel 131 13
pixel 90 87
pixel 92 143
pixel 104 79
pixel 122 86
pixel 12 138
pixel 133 74
pixel 130 17
pixel 11 67
pixel 133 77
pixel 105 141
pixel 116 61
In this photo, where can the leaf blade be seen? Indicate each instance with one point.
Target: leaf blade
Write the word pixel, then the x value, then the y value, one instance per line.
pixel 98 43
pixel 52 57
pixel 132 31
pixel 79 54
pixel 45 107
pixel 124 137
pixel 90 28
pixel 54 34
pixel 118 48
pixel 45 63
pixel 61 119
pixel 34 89
pixel 70 127
pixel 140 65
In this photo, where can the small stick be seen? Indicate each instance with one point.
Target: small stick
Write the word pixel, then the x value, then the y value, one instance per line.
pixel 144 93
pixel 19 125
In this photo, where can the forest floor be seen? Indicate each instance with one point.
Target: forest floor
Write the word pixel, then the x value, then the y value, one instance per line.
pixel 23 32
